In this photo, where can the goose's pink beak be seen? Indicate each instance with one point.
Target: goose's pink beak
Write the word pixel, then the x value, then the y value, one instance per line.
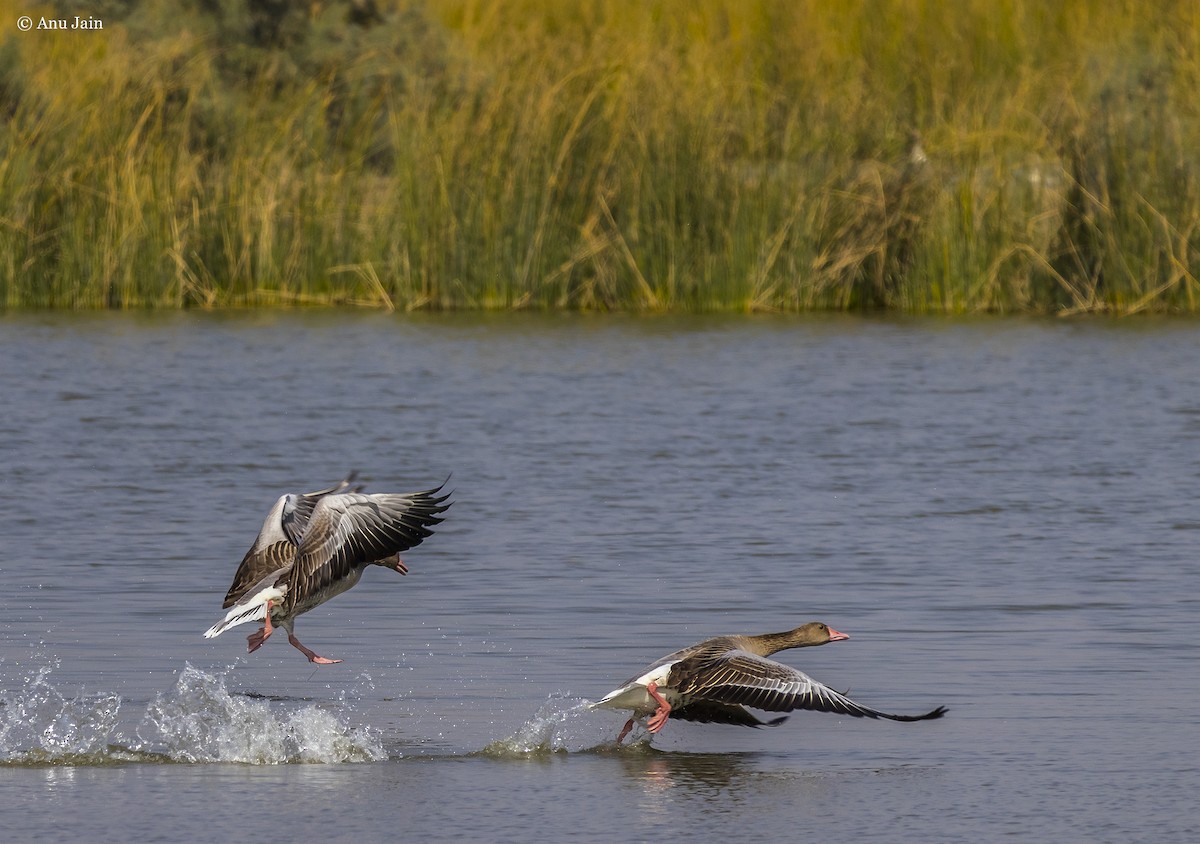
pixel 835 636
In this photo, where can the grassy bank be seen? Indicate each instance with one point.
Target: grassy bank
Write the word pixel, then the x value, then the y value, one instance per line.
pixel 989 155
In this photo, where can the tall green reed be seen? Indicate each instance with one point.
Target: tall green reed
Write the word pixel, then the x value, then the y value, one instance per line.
pixel 650 155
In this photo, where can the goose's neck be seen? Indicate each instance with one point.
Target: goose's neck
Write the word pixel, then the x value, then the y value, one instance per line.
pixel 769 643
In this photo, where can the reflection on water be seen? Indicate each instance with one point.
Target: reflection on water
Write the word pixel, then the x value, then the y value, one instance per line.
pixel 715 785
pixel 702 774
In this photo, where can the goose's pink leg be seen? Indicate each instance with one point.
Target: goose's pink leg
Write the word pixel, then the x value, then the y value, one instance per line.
pixel 659 719
pixel 312 657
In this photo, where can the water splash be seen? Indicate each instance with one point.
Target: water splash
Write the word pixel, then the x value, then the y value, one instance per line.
pixel 197 721
pixel 37 721
pixel 201 721
pixel 555 728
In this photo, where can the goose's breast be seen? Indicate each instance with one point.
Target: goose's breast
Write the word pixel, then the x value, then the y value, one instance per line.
pixel 307 599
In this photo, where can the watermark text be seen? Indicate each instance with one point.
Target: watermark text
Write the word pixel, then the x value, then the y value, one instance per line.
pixel 25 23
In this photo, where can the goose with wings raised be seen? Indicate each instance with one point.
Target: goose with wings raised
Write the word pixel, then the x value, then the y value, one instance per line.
pixel 716 681
pixel 314 546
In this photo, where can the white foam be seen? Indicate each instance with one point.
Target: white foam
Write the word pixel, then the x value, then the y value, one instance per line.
pixel 197 721
pixel 37 721
pixel 201 721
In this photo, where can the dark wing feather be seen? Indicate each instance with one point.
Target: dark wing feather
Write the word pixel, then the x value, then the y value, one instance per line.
pixel 746 679
pixel 710 712
pixel 256 565
pixel 350 530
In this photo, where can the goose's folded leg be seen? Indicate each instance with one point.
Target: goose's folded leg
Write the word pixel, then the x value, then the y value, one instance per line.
pixel 255 640
pixel 659 719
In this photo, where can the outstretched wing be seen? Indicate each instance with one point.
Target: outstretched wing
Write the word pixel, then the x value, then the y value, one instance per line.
pixel 298 509
pixel 351 529
pixel 275 545
pixel 742 678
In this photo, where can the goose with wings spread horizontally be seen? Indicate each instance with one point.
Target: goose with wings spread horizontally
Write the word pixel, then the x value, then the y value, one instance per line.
pixel 716 680
pixel 314 546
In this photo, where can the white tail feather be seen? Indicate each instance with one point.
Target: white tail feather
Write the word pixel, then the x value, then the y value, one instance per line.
pixel 253 608
pixel 237 615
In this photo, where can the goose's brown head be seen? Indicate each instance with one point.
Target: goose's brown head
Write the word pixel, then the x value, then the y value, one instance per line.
pixel 818 633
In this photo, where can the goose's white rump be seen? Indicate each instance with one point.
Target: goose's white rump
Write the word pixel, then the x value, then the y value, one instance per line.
pixel 316 545
pixel 254 606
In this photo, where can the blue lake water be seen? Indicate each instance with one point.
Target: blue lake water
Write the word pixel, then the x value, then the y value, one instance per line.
pixel 1002 514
